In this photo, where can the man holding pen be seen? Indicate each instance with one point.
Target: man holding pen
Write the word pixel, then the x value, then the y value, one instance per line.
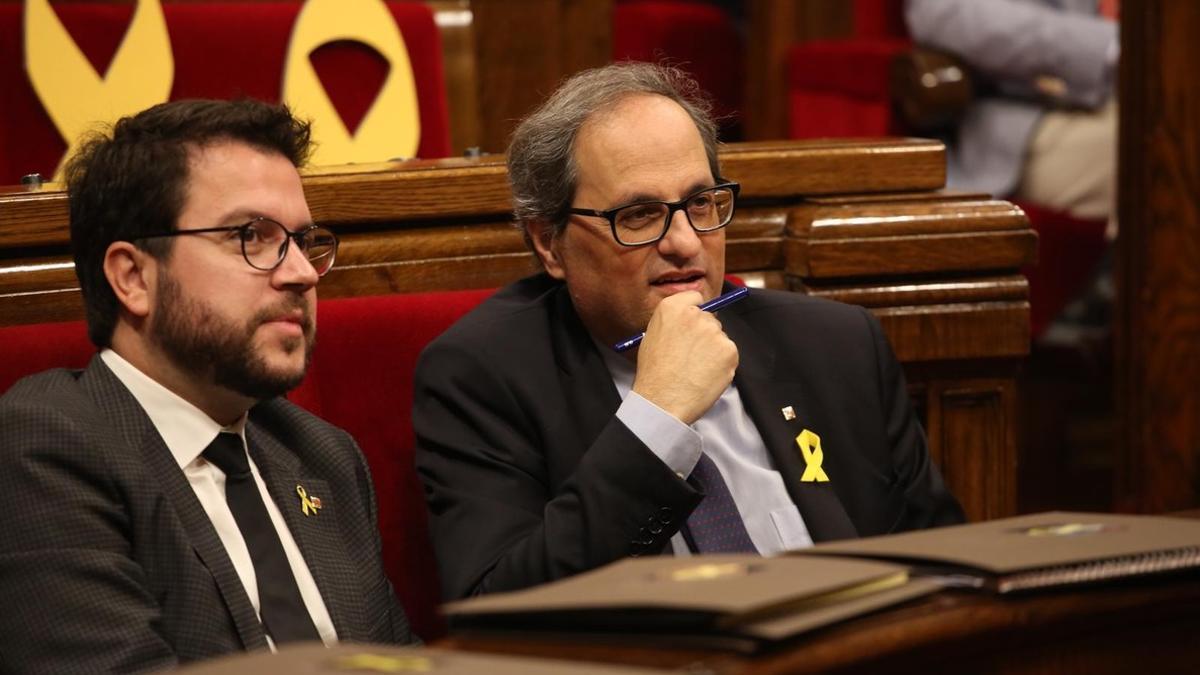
pixel 546 452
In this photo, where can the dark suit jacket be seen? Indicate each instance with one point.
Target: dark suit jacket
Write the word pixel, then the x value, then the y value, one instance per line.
pixel 530 476
pixel 109 563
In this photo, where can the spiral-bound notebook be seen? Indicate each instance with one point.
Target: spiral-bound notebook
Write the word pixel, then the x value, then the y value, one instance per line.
pixel 1043 550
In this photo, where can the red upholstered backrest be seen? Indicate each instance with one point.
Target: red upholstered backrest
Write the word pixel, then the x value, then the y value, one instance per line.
pixel 839 87
pixel 879 19
pixel 221 50
pixel 699 38
pixel 360 379
pixel 1069 253
pixel 25 350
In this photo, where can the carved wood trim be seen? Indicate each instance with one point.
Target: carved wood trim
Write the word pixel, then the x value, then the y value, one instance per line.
pixel 970 425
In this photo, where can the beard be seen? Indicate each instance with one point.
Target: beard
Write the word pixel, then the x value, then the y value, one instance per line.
pixel 223 352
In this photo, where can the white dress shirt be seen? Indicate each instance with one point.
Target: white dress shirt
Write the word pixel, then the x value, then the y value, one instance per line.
pixel 187 431
pixel 728 436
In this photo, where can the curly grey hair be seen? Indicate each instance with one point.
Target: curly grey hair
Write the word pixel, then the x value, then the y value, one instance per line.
pixel 541 156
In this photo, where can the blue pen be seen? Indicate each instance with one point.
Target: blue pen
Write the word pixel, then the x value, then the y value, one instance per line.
pixel 710 306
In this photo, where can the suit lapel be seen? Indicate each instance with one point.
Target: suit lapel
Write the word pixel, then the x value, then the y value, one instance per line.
pixel 135 426
pixel 316 534
pixel 591 394
pixel 765 392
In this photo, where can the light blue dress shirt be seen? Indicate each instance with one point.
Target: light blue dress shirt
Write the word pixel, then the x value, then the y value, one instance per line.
pixel 728 436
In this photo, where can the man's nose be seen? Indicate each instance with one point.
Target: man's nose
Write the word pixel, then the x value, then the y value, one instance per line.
pixel 296 269
pixel 681 239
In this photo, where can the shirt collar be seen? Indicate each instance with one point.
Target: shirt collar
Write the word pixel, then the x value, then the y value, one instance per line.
pixel 185 429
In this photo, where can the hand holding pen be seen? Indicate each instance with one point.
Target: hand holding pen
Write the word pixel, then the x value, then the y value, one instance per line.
pixel 685 360
pixel 710 306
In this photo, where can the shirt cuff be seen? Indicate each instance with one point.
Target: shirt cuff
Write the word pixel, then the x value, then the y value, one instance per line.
pixel 672 441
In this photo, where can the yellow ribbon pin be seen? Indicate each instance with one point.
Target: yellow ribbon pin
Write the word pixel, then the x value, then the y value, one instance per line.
pixel 307 504
pixel 810 448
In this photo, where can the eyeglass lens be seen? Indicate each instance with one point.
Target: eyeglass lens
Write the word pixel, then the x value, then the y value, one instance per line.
pixel 265 242
pixel 640 223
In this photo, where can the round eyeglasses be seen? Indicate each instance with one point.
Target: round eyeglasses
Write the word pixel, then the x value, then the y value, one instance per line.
pixel 264 243
pixel 646 222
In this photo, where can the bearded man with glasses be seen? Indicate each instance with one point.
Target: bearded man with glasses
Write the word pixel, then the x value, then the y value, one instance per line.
pixel 166 504
pixel 545 452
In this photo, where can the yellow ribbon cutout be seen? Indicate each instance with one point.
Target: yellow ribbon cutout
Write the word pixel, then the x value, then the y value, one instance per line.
pixel 74 95
pixel 810 448
pixel 307 504
pixel 391 128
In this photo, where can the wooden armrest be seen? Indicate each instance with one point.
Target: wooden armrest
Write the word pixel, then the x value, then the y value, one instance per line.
pixel 930 89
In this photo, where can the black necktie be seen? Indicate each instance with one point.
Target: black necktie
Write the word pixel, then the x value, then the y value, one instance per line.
pixel 715 526
pixel 284 615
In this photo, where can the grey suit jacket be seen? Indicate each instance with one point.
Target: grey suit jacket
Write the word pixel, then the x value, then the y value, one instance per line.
pixel 108 562
pixel 531 477
pixel 1010 44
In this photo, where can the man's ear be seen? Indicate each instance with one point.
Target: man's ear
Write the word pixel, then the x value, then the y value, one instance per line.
pixel 129 274
pixel 546 245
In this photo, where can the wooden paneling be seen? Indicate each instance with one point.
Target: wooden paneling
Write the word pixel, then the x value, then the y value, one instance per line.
pixel 977 456
pixel 787 168
pixel 469 188
pixel 456 27
pixel 981 289
pixel 32 218
pixel 912 237
pixel 1158 324
pixel 523 49
pixel 975 330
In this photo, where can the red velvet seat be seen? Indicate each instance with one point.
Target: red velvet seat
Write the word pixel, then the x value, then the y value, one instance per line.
pixel 1069 250
pixel 840 87
pixel 221 50
pixel 699 38
pixel 361 380
pixel 30 349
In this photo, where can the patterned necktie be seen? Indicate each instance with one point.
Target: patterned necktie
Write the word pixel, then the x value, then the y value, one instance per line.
pixel 715 526
pixel 284 615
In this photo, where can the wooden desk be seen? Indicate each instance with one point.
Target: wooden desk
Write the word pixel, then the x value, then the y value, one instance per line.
pixel 863 222
pixel 1149 628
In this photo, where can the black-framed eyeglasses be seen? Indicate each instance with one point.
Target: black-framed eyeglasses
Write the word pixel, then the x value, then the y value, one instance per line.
pixel 265 243
pixel 644 223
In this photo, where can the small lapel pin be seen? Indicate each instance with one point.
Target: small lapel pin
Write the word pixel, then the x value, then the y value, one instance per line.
pixel 308 505
pixel 788 413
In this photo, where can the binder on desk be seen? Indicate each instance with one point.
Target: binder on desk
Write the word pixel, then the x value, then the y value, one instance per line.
pixel 1043 550
pixel 734 602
